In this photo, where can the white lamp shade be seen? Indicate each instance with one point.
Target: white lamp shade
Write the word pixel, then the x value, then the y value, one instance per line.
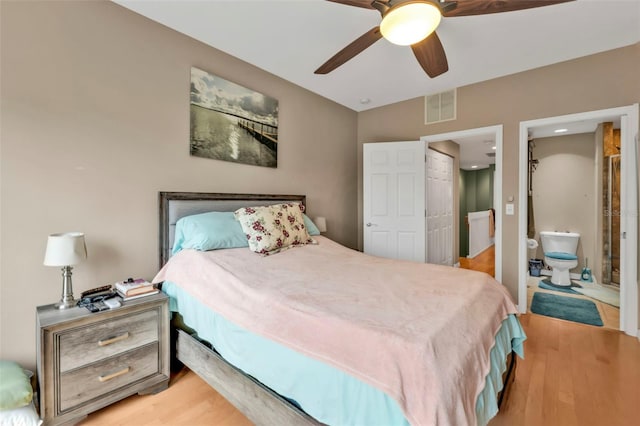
pixel 321 223
pixel 65 249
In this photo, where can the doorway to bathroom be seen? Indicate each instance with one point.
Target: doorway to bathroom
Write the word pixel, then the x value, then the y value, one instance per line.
pixel 562 189
pixel 588 202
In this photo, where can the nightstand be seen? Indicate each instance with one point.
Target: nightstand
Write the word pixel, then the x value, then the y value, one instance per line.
pixel 87 361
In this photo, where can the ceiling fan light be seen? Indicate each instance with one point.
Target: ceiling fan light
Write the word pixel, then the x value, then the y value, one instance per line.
pixel 410 23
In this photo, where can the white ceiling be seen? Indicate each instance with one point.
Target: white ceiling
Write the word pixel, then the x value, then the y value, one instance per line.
pixel 474 150
pixel 291 38
pixel 571 128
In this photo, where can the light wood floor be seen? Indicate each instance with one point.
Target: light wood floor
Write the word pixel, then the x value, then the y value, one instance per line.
pixel 189 401
pixel 484 262
pixel 610 315
pixel 572 375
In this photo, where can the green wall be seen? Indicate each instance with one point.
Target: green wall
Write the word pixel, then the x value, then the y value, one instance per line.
pixel 476 194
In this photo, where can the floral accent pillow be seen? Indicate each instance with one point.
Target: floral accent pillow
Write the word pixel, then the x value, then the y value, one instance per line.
pixel 271 229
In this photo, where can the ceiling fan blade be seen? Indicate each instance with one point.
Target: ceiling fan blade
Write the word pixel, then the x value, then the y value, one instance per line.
pixel 485 7
pixel 357 46
pixel 430 54
pixel 366 4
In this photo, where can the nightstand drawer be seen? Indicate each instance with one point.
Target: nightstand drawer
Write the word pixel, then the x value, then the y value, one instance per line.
pixel 87 361
pixel 84 384
pixel 82 346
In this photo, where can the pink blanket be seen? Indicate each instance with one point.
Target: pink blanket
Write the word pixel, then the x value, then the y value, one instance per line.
pixel 421 333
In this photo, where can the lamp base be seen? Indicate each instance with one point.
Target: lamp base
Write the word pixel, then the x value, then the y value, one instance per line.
pixel 66 301
pixel 66 304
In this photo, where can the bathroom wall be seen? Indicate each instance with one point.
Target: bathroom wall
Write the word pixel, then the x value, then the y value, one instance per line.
pixel 564 190
pixel 476 194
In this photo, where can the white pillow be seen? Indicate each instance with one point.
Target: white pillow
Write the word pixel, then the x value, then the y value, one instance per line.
pixel 23 416
pixel 274 228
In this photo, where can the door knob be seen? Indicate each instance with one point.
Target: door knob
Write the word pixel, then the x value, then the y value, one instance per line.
pixel 369 224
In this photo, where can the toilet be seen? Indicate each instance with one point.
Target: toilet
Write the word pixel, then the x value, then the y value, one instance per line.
pixel 560 250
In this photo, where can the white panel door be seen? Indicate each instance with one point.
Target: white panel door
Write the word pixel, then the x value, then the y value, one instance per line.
pixel 393 200
pixel 439 208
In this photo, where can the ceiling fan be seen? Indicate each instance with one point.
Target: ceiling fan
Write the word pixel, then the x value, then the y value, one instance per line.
pixel 413 22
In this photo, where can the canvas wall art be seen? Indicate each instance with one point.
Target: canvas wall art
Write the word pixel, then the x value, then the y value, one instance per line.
pixel 232 123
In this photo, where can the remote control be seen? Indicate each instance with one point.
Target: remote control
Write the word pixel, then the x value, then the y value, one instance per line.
pixel 104 288
pixel 97 307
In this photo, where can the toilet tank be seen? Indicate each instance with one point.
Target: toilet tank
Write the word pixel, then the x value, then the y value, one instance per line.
pixel 566 242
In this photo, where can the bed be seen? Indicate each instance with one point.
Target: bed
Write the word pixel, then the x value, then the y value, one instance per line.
pixel 278 379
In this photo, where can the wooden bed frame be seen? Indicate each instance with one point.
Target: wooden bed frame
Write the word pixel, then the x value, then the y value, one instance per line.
pixel 259 403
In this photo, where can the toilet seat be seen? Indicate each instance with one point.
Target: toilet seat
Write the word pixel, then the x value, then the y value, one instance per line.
pixel 560 255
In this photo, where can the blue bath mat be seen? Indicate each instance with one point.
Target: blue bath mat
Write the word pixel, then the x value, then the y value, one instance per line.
pixel 566 308
pixel 548 285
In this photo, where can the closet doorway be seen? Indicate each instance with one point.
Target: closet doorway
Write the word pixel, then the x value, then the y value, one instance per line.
pixel 408 202
pixel 394 200
pixel 480 141
pixel 439 208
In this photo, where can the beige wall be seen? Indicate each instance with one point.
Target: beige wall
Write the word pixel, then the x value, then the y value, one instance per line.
pixel 583 84
pixel 95 121
pixel 564 191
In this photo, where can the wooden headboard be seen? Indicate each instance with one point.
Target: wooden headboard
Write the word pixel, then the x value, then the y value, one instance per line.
pixel 175 205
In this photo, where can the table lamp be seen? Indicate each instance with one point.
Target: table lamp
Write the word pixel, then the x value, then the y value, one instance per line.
pixel 65 249
pixel 321 223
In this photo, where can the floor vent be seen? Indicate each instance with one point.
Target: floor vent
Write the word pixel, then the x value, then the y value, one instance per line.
pixel 440 107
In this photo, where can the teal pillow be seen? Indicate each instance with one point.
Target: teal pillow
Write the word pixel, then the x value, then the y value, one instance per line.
pixel 15 388
pixel 312 229
pixel 209 231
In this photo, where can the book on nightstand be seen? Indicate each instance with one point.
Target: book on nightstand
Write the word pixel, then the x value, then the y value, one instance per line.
pixel 134 288
pixel 148 293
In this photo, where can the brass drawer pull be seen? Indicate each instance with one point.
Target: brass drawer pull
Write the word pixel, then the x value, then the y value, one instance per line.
pixel 114 375
pixel 114 339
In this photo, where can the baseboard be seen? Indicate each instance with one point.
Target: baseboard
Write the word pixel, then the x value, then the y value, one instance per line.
pixel 469 256
pixel 638 334
pixel 522 309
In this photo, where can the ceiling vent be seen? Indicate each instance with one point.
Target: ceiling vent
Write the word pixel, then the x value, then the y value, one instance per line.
pixel 440 107
pixel 491 154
